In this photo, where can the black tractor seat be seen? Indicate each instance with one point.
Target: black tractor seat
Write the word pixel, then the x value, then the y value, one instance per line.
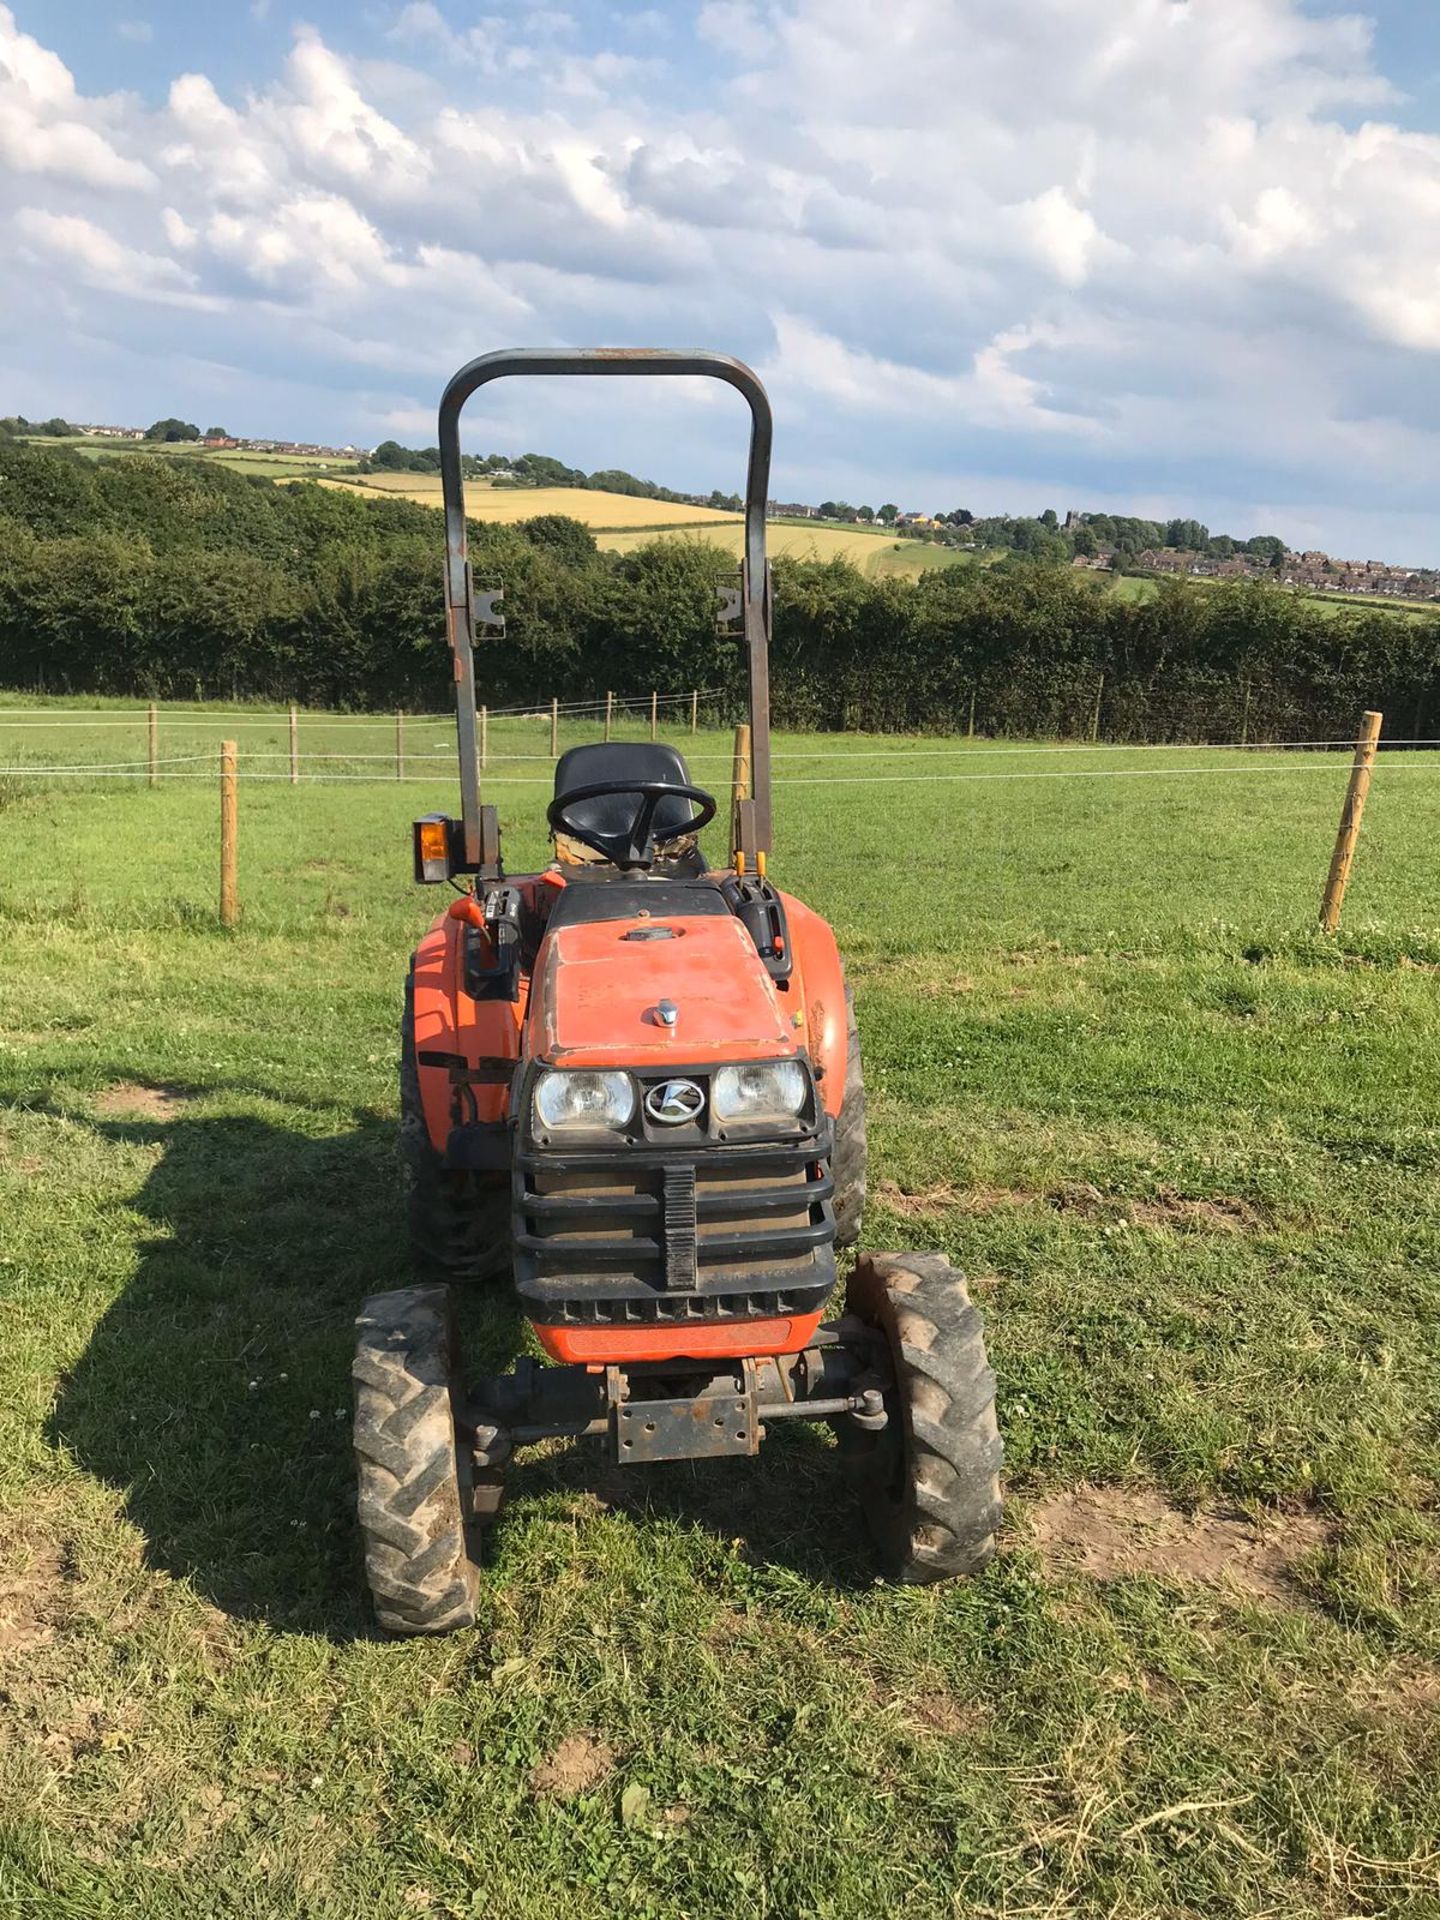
pixel 638 762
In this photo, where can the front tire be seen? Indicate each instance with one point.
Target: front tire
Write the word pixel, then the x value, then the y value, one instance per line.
pixel 929 1481
pixel 413 1472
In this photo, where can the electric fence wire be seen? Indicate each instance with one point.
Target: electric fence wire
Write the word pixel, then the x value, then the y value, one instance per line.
pixel 131 770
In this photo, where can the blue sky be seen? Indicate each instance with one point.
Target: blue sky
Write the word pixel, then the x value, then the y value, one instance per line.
pixel 1169 256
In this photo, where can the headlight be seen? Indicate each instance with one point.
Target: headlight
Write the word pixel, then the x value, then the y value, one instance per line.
pixel 749 1093
pixel 569 1101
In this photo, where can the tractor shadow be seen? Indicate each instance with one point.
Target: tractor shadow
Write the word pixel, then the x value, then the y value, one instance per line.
pixel 789 1507
pixel 214 1393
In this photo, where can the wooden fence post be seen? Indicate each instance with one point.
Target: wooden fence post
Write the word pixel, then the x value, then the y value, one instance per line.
pixel 554 728
pixel 154 745
pixel 399 743
pixel 739 780
pixel 694 711
pixel 1245 715
pixel 609 713
pixel 484 736
pixel 1095 716
pixel 294 747
pixel 229 891
pixel 654 713
pixel 970 730
pixel 1350 818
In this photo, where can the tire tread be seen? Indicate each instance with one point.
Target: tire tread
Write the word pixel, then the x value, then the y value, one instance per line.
pixel 412 1495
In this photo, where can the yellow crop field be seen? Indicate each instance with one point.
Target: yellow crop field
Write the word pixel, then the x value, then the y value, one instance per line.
pixel 872 553
pixel 601 512
pixel 621 522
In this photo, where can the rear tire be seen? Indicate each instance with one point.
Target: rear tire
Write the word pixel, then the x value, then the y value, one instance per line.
pixel 459 1222
pixel 848 1158
pixel 929 1481
pixel 414 1478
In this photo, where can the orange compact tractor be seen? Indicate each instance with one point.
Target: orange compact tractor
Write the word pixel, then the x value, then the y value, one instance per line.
pixel 630 1086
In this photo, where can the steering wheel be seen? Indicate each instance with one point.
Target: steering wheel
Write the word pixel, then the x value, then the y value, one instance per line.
pixel 636 846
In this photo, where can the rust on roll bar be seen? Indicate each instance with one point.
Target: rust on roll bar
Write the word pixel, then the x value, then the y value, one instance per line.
pixel 755 821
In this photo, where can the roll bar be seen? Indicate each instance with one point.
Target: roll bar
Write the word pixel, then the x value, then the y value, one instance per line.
pixel 482 851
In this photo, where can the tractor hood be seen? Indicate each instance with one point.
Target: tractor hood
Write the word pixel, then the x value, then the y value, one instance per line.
pixel 599 985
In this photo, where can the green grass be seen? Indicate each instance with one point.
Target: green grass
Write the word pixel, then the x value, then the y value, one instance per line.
pixel 1187 1150
pixel 274 466
pixel 1139 587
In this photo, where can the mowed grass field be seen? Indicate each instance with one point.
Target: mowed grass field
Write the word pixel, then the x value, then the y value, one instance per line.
pixel 1187 1150
pixel 273 466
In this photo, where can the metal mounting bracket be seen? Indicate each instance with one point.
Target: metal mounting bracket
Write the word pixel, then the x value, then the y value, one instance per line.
pixel 730 606
pixel 487 620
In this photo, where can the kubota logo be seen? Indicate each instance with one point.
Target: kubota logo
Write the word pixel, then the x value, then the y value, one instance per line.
pixel 674 1102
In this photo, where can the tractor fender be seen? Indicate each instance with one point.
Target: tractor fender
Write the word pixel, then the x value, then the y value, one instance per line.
pixel 448 1021
pixel 819 979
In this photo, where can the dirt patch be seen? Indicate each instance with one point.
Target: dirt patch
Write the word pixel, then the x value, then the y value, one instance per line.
pixel 908 1202
pixel 32 1598
pixel 1110 1533
pixel 1408 1689
pixel 1223 1214
pixel 580 1762
pixel 941 989
pixel 942 1713
pixel 1220 1213
pixel 138 1101
pixel 1078 1196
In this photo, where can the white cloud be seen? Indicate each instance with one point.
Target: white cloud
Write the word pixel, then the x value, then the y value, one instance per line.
pixel 45 128
pixel 103 262
pixel 316 238
pixel 736 27
pixel 178 231
pixel 1062 236
pixel 140 32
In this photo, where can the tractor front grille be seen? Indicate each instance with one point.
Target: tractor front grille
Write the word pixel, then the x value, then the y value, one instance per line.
pixel 636 1235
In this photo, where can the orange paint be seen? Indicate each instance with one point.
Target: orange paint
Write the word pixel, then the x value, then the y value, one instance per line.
pixel 722 1340
pixel 447 1020
pixel 595 995
pixel 817 992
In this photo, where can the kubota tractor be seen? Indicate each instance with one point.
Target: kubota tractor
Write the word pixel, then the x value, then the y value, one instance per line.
pixel 630 1086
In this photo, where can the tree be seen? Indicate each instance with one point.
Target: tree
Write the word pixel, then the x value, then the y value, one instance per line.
pixel 1267 548
pixel 53 429
pixel 172 430
pixel 568 539
pixel 1050 520
pixel 1188 536
pixel 218 433
pixel 867 514
pixel 888 513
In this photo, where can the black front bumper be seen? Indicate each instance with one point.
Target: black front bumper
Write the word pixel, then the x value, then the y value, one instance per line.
pixel 643 1234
